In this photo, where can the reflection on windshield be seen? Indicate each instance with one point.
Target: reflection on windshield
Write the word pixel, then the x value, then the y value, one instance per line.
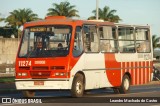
pixel 45 41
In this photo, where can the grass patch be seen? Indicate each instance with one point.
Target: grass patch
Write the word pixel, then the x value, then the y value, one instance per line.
pixel 7 79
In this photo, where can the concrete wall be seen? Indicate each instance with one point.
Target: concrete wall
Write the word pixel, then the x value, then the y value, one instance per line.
pixel 8 50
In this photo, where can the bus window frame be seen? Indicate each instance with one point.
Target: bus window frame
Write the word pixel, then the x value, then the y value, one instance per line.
pixel 83 35
pixel 126 39
pixel 149 39
pixel 116 40
pixel 82 41
pixel 71 27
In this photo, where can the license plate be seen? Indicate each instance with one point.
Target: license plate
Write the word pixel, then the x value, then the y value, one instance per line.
pixel 38 82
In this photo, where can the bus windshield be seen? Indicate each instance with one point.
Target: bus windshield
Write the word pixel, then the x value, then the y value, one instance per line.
pixel 45 41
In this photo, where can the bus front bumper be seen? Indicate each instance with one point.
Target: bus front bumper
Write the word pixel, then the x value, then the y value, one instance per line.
pixel 42 84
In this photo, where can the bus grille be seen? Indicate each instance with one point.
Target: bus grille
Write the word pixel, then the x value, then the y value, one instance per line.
pixel 24 68
pixel 57 67
pixel 40 68
pixel 40 74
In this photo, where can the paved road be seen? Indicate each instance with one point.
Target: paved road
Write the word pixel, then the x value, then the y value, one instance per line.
pixel 94 97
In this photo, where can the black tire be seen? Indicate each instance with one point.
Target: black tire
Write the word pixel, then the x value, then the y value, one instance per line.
pixel 28 94
pixel 116 90
pixel 125 86
pixel 87 92
pixel 77 86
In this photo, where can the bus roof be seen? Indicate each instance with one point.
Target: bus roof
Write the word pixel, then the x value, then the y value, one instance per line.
pixel 50 20
pixel 130 25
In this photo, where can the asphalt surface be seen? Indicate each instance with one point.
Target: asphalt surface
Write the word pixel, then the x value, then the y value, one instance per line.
pixel 98 97
pixel 94 97
pixel 7 89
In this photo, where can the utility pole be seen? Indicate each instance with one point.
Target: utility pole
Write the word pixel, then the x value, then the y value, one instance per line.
pixel 97 9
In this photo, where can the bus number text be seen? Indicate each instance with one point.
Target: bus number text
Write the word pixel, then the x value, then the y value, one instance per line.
pixel 24 63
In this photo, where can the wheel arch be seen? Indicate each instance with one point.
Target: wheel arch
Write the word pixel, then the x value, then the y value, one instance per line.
pixel 77 88
pixel 82 73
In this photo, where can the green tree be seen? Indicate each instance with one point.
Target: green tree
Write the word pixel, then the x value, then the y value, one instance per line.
pixel 1 19
pixel 6 32
pixel 106 14
pixel 155 41
pixel 63 9
pixel 18 17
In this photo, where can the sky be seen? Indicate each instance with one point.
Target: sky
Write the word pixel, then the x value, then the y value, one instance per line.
pixel 139 12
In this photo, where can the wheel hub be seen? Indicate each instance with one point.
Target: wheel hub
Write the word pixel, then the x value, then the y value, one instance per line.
pixel 79 87
pixel 126 84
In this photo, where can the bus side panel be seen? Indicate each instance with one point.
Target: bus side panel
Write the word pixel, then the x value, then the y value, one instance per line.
pixel 95 71
pixel 144 73
pixel 151 70
pixel 76 65
pixel 137 65
pixel 147 71
pixel 92 66
pixel 113 69
pixel 132 71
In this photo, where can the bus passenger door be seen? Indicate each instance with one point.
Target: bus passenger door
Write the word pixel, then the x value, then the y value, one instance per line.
pixel 93 60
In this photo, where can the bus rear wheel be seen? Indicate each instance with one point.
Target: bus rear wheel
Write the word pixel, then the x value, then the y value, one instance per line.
pixel 28 93
pixel 125 87
pixel 77 86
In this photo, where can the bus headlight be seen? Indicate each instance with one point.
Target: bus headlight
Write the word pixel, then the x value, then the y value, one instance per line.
pixel 61 74
pixel 22 74
pixel 56 74
pixel 19 74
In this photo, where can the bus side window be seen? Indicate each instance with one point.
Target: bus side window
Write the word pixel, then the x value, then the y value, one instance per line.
pixel 78 44
pixel 91 41
pixel 142 40
pixel 108 41
pixel 126 39
pixel 87 42
pixel 143 47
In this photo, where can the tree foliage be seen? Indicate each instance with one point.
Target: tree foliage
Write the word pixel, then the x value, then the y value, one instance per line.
pixel 155 41
pixel 106 14
pixel 6 32
pixel 18 17
pixel 1 19
pixel 63 9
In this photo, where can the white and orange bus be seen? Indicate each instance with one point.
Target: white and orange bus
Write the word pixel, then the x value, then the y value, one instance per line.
pixel 65 54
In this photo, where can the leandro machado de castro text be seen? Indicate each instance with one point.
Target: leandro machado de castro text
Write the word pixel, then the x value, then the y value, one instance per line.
pixel 131 100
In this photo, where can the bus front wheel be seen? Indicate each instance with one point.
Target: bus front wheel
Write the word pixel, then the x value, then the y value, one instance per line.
pixel 77 86
pixel 28 93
